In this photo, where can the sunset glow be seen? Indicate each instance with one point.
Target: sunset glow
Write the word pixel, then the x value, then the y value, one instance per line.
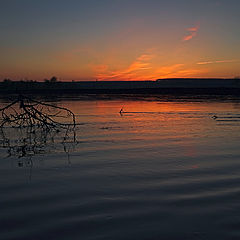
pixel 119 40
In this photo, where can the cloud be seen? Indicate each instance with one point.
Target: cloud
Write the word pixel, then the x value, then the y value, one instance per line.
pixel 136 70
pixel 169 70
pixel 142 68
pixel 191 32
pixel 193 29
pixel 178 71
pixel 218 61
pixel 146 66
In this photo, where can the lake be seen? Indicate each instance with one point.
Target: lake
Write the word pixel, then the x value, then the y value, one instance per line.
pixel 165 168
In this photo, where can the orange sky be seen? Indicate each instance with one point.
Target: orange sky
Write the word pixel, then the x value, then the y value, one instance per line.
pixel 128 40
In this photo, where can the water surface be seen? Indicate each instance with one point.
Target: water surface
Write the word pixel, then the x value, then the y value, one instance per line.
pixel 163 169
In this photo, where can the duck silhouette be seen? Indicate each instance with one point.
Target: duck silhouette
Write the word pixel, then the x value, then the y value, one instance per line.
pixel 121 111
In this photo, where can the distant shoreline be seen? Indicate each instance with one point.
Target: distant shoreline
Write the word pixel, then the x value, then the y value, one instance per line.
pixel 161 86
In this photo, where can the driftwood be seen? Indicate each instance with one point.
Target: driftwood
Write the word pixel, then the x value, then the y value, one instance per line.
pixel 29 127
pixel 26 112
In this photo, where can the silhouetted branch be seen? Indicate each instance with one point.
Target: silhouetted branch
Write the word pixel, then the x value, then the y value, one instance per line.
pixel 29 127
pixel 25 112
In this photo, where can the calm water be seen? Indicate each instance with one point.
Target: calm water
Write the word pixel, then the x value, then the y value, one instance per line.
pixel 164 169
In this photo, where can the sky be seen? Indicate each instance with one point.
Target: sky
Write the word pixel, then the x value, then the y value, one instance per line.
pixel 119 39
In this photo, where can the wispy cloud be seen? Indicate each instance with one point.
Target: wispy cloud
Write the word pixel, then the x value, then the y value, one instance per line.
pixel 179 70
pixel 218 61
pixel 169 70
pixel 136 70
pixel 142 69
pixel 191 33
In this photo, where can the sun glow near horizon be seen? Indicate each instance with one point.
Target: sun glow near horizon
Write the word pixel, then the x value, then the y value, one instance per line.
pixel 141 40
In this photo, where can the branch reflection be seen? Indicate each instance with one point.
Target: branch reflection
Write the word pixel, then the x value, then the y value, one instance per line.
pixel 29 128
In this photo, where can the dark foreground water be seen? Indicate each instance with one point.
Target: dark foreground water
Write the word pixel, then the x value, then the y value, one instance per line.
pixel 164 169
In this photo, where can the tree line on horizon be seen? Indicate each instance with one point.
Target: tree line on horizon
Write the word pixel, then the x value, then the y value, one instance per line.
pixel 54 79
pixel 51 80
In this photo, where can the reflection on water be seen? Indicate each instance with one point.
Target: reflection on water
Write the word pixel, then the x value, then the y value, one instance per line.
pixel 29 128
pixel 30 141
pixel 162 169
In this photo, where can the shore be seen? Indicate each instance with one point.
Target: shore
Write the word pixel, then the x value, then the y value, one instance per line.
pixel 161 86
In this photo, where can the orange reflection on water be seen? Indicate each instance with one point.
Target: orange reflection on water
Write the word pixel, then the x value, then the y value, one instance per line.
pixel 162 126
pixel 173 117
